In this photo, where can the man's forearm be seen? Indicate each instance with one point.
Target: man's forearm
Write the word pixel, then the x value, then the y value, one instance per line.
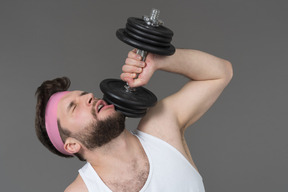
pixel 196 65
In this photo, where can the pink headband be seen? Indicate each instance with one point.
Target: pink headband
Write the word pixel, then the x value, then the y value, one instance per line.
pixel 51 122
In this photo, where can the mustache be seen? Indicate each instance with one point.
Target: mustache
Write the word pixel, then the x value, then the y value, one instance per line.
pixel 93 110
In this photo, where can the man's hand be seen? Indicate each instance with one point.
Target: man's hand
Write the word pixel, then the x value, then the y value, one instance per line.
pixel 134 65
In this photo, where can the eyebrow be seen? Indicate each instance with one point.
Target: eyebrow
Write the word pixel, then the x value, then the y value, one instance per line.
pixel 72 103
pixel 84 93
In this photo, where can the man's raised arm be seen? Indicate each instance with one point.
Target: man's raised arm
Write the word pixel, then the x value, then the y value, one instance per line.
pixel 209 75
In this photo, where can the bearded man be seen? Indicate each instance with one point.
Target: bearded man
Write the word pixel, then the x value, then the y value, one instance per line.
pixel 155 157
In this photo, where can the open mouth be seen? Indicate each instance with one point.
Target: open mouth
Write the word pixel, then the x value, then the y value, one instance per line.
pixel 100 107
pixel 100 104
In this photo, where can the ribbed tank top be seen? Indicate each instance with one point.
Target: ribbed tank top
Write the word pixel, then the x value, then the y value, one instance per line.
pixel 169 170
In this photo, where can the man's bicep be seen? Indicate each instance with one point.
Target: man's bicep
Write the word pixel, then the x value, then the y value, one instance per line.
pixel 193 100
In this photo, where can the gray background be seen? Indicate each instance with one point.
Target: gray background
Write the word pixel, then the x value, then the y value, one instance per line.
pixel 240 144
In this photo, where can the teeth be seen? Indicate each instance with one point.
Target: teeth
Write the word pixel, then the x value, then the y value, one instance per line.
pixel 99 107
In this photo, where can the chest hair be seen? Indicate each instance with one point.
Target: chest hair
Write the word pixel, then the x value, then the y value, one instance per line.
pixel 131 179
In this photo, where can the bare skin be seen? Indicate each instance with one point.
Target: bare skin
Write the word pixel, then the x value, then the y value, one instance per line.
pixel 123 159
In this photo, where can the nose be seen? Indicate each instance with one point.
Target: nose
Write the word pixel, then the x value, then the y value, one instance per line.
pixel 89 99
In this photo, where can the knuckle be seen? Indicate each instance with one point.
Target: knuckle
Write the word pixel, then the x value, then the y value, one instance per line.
pixel 130 61
pixel 131 54
pixel 123 67
pixel 125 76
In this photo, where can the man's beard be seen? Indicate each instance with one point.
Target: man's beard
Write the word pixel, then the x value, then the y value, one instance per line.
pixel 101 132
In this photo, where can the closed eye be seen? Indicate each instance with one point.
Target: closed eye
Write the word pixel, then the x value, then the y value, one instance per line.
pixel 72 106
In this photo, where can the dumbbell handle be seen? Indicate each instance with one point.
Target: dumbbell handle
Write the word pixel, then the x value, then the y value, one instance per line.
pixel 143 54
pixel 154 21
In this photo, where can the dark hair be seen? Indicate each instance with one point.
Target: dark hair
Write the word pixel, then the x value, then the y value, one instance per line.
pixel 43 93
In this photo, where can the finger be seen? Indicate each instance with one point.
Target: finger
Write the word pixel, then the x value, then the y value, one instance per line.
pixel 136 83
pixel 130 61
pixel 131 69
pixel 132 82
pixel 128 77
pixel 134 55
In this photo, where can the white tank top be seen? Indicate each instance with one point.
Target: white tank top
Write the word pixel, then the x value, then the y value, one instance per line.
pixel 169 170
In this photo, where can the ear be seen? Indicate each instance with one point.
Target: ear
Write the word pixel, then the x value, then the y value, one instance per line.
pixel 71 145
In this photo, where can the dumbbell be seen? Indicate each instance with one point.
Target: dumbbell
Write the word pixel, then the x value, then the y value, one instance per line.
pixel 147 35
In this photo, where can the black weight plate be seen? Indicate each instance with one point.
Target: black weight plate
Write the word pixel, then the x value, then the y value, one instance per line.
pixel 146 40
pixel 142 25
pixel 123 36
pixel 125 111
pixel 114 89
pixel 123 102
pixel 133 115
pixel 147 35
pixel 123 108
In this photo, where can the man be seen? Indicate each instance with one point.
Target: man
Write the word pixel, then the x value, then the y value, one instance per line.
pixel 156 157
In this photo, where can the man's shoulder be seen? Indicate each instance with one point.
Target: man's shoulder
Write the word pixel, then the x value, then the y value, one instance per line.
pixel 159 121
pixel 77 185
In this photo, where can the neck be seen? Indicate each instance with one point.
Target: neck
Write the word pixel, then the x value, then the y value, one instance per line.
pixel 122 149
